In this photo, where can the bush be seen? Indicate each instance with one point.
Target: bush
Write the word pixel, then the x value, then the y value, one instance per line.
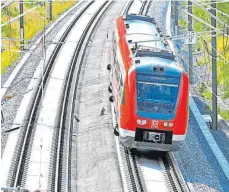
pixel 225 114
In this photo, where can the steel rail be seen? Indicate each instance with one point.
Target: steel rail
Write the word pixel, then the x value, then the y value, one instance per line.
pixel 148 6
pixel 73 71
pixel 143 7
pixel 17 169
pixel 136 180
pixel 127 8
pixel 174 175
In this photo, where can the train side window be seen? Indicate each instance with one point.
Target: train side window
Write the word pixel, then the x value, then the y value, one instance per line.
pixel 117 71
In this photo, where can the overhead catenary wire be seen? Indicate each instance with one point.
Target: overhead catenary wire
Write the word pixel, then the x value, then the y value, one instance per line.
pixel 206 43
pixel 198 4
pixel 19 16
pixel 210 34
pixel 219 54
pixel 221 101
pixel 209 7
pixel 6 4
pixel 209 3
pixel 198 19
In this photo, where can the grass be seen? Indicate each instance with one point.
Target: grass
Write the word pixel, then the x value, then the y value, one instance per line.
pixel 222 48
pixel 33 24
pixel 207 94
pixel 204 91
pixel 225 114
pixel 182 23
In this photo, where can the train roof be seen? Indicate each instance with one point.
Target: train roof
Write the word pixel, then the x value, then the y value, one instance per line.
pixel 157 65
pixel 143 30
pixel 143 42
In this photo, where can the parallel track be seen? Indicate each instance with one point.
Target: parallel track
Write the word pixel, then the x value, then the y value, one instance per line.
pixel 17 169
pixel 143 7
pixel 127 8
pixel 145 12
pixel 63 158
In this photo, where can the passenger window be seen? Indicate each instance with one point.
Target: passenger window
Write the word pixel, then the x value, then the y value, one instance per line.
pixel 122 90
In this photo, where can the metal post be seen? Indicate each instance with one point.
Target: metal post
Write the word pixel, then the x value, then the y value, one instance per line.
pixel 176 17
pixel 176 13
pixel 50 10
pixel 214 68
pixel 190 57
pixel 173 14
pixel 22 35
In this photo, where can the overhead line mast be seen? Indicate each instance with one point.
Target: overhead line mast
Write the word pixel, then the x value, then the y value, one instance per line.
pixel 190 56
pixel 22 32
pixel 214 68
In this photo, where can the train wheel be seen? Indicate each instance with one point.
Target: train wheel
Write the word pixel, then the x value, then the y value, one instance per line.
pixel 116 132
pixel 109 89
pixel 111 99
pixel 109 67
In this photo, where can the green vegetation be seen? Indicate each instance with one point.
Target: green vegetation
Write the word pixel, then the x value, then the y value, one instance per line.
pixel 34 23
pixel 203 45
pixel 183 23
pixel 225 114
pixel 204 91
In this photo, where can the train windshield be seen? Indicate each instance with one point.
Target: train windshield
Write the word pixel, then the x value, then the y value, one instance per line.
pixel 159 95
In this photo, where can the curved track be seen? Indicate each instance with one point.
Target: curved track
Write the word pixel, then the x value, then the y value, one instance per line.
pixel 63 149
pixel 20 166
pixel 59 176
pixel 19 159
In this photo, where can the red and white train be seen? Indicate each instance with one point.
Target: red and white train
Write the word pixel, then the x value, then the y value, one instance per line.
pixel 149 88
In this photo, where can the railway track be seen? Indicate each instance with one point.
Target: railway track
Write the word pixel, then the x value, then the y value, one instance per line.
pixel 59 177
pixel 63 149
pixel 18 171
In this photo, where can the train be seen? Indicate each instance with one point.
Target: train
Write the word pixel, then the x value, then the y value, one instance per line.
pixel 148 86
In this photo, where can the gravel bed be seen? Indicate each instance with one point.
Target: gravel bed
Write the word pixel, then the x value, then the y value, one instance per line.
pixel 16 92
pixel 94 159
pixel 198 163
pixel 195 159
pixel 221 135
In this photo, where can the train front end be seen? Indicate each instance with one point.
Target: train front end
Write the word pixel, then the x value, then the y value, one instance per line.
pixel 158 107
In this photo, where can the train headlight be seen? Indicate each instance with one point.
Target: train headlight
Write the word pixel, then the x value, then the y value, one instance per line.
pixel 165 124
pixel 141 122
pixel 170 124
